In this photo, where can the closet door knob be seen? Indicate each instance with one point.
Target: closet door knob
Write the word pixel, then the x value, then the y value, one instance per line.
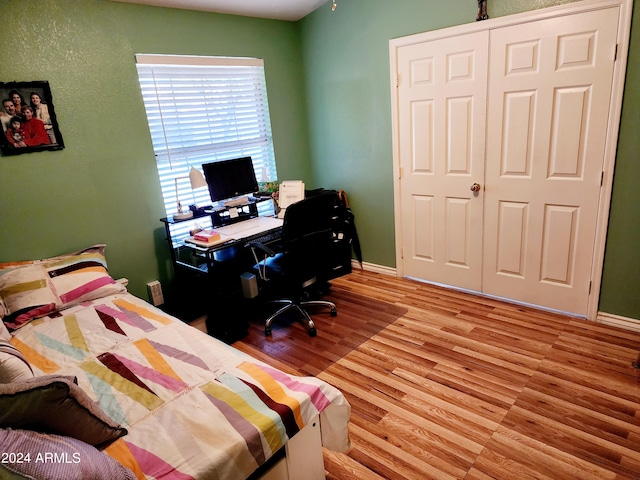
pixel 475 187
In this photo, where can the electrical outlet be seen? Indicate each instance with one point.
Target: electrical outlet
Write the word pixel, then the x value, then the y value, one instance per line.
pixel 155 293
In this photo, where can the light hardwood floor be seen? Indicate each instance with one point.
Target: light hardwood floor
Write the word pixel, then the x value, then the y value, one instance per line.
pixel 447 385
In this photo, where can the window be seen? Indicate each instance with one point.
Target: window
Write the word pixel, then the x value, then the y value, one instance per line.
pixel 201 110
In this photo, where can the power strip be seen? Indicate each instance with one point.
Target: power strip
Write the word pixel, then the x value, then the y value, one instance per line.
pixel 155 293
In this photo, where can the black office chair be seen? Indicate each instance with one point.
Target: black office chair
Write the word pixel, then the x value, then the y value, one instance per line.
pixel 299 271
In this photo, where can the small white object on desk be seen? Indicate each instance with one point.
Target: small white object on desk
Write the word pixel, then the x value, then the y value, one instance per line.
pixel 291 191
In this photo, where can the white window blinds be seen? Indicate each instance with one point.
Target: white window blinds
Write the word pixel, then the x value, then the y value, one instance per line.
pixel 201 110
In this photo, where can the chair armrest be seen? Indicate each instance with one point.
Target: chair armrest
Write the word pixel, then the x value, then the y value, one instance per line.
pixel 262 247
pixel 256 247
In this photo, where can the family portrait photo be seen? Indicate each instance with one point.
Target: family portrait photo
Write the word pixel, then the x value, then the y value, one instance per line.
pixel 28 118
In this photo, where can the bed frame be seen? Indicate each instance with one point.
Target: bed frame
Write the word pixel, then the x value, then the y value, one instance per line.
pixel 303 459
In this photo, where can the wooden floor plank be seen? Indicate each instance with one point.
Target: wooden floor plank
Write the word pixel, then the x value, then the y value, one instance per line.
pixel 446 384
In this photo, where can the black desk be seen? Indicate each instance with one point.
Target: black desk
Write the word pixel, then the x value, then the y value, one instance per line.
pixel 185 257
pixel 234 238
pixel 210 276
pixel 202 277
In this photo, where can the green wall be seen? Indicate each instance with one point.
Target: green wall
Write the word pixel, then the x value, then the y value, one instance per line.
pixel 103 187
pixel 620 292
pixel 346 55
pixel 328 82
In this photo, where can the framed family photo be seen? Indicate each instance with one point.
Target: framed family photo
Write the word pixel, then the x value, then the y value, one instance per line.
pixel 28 118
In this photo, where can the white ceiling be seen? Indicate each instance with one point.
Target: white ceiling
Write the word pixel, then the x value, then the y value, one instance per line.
pixel 276 9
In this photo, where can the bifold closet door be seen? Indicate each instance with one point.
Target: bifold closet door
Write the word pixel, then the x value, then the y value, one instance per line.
pixel 441 116
pixel 549 95
pixel 501 140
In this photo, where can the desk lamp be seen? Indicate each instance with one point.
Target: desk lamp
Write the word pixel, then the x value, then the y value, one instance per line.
pixel 197 181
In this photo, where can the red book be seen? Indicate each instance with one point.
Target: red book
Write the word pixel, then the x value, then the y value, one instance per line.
pixel 208 236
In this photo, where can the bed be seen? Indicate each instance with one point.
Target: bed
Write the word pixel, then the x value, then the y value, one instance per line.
pixel 98 382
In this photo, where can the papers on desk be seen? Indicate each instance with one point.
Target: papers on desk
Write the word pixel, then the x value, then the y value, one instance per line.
pixel 291 191
pixel 249 228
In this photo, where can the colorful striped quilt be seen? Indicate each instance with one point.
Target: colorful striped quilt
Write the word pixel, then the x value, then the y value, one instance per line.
pixel 194 407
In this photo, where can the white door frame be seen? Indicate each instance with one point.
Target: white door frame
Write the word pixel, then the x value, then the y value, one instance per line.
pixel 615 109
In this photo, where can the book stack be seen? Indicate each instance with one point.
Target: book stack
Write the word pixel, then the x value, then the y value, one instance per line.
pixel 207 236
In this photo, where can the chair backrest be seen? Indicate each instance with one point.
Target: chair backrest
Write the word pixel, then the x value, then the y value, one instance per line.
pixel 307 237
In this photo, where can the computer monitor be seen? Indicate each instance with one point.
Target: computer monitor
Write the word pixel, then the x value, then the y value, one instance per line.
pixel 230 178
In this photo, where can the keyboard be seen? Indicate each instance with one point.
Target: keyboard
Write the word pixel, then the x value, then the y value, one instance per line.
pixel 250 228
pixel 270 237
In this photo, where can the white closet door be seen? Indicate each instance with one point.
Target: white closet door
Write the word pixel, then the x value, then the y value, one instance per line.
pixel 441 117
pixel 549 93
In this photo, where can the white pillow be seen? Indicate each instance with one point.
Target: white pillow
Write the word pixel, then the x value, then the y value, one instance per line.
pixel 13 366
pixel 38 288
pixel 4 333
pixel 26 293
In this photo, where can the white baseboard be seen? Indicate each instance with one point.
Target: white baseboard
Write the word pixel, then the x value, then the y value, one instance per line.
pixel 618 321
pixel 372 267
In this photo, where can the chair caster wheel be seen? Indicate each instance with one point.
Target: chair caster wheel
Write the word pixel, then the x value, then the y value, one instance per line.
pixel 267 331
pixel 312 332
pixel 333 312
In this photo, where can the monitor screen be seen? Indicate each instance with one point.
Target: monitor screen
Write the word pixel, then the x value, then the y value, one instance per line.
pixel 230 178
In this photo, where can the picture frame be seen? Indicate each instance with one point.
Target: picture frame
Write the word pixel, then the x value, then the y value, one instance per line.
pixel 24 132
pixel 482 11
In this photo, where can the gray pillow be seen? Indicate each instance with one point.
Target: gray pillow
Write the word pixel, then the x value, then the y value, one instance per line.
pixel 55 404
pixel 29 455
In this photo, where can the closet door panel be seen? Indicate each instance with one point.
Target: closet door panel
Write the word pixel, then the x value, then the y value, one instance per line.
pixel 441 130
pixel 549 95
